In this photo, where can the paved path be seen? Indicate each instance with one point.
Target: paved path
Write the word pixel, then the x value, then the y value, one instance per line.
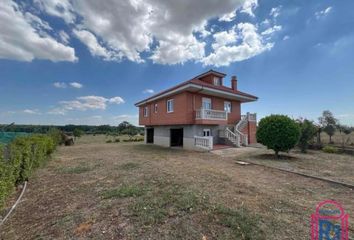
pixel 233 152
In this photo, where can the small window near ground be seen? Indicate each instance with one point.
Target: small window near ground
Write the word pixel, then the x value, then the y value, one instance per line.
pixel 206 133
pixel 170 105
pixel 227 107
pixel 155 108
pixel 146 111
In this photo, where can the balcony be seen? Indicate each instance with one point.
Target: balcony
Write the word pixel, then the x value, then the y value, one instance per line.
pixel 209 116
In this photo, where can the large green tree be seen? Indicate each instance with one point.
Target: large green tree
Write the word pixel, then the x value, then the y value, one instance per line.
pixel 307 132
pixel 278 132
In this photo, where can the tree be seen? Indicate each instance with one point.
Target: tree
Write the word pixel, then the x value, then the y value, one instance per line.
pixel 130 131
pixel 328 123
pixel 307 132
pixel 78 132
pixel 278 132
pixel 344 131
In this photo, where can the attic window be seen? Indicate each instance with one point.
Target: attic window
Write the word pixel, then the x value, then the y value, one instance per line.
pixel 217 81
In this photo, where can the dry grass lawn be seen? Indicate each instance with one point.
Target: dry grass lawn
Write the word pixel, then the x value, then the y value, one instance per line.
pixel 95 190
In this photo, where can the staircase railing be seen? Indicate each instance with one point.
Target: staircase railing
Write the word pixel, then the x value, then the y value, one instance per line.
pixel 238 130
pixel 233 137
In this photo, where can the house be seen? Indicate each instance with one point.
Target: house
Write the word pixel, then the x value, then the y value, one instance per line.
pixel 198 114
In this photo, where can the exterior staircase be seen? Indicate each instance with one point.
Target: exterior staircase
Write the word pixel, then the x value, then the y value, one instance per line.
pixel 237 138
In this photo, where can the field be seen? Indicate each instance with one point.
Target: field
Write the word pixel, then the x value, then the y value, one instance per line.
pixel 337 138
pixel 99 190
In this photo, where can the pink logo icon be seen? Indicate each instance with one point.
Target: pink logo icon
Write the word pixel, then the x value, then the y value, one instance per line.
pixel 330 222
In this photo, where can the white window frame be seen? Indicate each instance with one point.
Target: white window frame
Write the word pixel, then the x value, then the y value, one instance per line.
pixel 206 132
pixel 146 111
pixel 170 105
pixel 208 101
pixel 217 81
pixel 155 108
pixel 227 106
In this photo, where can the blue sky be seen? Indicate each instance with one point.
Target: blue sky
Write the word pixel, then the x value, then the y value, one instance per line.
pixel 88 62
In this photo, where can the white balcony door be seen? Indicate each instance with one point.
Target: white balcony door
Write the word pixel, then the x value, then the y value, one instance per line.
pixel 206 103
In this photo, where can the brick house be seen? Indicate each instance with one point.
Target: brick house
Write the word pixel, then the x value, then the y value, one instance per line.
pixel 198 114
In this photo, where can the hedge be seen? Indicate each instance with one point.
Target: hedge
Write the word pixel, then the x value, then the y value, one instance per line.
pixel 24 154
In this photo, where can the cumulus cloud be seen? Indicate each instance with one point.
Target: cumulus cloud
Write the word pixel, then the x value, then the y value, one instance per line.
pixel 76 85
pixel 249 6
pixel 60 84
pixel 228 17
pixel 238 44
pixel 65 85
pixel 323 13
pixel 23 37
pixel 31 111
pixel 64 37
pixel 275 12
pixel 272 30
pixel 58 8
pixel 150 91
pixel 85 103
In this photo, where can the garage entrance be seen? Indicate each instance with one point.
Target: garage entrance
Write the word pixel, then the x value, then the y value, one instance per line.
pixel 149 135
pixel 176 136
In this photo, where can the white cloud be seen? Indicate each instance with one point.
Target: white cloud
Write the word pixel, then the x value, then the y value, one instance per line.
pixel 249 6
pixel 241 43
pixel 64 37
pixel 31 111
pixel 275 12
pixel 116 30
pixel 76 85
pixel 272 30
pixel 60 84
pixel 286 37
pixel 85 103
pixel 228 17
pixel 23 37
pixel 150 91
pixel 58 8
pixel 94 46
pixel 323 13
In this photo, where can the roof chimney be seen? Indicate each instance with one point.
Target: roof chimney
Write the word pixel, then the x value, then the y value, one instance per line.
pixel 234 83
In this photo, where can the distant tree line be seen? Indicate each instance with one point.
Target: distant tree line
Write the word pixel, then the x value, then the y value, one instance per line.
pixel 122 128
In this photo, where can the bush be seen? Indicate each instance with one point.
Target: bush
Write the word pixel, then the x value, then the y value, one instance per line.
pixel 307 132
pixel 109 141
pixel 330 149
pixel 117 140
pixel 278 132
pixel 25 154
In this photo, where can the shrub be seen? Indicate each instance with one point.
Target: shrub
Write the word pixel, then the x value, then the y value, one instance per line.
pixel 330 149
pixel 307 132
pixel 6 177
pixel 117 140
pixel 25 154
pixel 109 141
pixel 278 132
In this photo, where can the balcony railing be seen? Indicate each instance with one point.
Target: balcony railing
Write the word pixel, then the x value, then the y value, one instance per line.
pixel 211 114
pixel 203 142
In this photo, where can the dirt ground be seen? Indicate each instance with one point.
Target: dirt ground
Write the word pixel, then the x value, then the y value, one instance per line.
pixel 98 190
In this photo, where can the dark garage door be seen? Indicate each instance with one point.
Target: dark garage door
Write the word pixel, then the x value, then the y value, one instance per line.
pixel 149 135
pixel 176 137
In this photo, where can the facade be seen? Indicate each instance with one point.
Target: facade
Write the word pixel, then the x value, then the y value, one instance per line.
pixel 197 114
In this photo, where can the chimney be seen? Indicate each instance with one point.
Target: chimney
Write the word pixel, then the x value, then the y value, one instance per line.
pixel 234 83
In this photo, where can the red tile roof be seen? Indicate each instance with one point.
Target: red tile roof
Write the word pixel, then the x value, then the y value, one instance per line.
pixel 196 81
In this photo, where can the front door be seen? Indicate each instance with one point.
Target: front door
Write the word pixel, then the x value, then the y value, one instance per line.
pixel 149 135
pixel 176 136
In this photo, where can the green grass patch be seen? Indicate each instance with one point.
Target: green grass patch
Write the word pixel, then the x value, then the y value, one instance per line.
pixel 241 223
pixel 129 166
pixel 124 191
pixel 166 201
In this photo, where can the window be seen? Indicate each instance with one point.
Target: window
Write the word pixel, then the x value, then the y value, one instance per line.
pixel 206 133
pixel 146 111
pixel 227 107
pixel 217 81
pixel 206 103
pixel 155 108
pixel 170 105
